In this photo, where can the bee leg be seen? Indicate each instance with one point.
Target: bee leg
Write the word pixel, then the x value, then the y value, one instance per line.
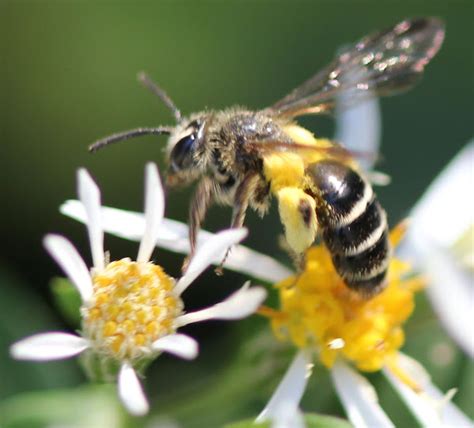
pixel 241 203
pixel 300 262
pixel 298 259
pixel 201 201
pixel 297 212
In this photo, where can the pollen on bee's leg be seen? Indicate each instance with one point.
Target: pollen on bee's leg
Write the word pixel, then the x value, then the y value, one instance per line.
pixel 307 211
pixel 298 214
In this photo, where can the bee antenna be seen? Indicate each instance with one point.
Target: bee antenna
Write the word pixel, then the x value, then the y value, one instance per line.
pixel 153 87
pixel 125 135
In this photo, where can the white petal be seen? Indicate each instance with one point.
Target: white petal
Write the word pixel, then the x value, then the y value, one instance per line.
pixel 255 264
pixel 358 398
pixel 131 392
pixel 431 213
pixel 154 211
pixel 286 398
pixel 452 295
pixel 71 263
pixel 431 408
pixel 212 249
pixel 125 224
pixel 173 236
pixel 288 416
pixel 240 304
pixel 89 195
pixel 48 346
pixel 178 344
pixel 378 178
pixel 429 241
pixel 359 127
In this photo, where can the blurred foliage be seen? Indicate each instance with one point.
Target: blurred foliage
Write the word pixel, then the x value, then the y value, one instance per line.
pixel 67 300
pixel 22 313
pixel 68 77
pixel 97 407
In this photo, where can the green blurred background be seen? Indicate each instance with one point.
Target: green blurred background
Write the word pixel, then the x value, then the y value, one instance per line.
pixel 68 76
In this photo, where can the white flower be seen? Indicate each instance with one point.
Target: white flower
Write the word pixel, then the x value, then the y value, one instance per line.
pixel 131 311
pixel 442 218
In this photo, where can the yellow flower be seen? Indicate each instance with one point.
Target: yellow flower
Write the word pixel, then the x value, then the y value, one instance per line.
pixel 321 316
pixel 319 312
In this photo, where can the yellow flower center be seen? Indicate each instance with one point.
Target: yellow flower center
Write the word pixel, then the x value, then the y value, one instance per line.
pixel 318 311
pixel 133 305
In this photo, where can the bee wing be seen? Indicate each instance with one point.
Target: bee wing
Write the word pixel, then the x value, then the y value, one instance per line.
pixel 382 63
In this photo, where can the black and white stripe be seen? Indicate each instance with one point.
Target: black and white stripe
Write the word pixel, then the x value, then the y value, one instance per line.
pixel 354 225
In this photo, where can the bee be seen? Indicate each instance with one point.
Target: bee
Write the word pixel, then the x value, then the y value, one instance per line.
pixel 243 158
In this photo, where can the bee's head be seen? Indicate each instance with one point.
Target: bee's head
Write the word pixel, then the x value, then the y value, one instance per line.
pixel 185 150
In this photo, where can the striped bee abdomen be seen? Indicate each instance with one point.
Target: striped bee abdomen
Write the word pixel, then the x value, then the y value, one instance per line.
pixel 353 223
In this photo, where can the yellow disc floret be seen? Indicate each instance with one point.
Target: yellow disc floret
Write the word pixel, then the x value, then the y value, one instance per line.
pixel 319 312
pixel 133 305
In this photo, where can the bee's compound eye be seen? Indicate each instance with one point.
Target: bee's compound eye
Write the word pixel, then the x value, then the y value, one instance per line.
pixel 181 153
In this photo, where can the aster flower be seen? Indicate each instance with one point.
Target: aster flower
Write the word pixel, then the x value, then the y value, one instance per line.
pixel 131 310
pixel 331 324
pixel 440 241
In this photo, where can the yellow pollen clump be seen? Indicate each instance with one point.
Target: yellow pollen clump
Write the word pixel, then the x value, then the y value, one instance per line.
pixel 110 328
pixel 101 299
pixel 284 170
pixel 116 343
pixel 133 305
pixel 142 315
pixel 318 311
pixel 94 313
pixel 156 311
pixel 324 148
pixel 140 339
